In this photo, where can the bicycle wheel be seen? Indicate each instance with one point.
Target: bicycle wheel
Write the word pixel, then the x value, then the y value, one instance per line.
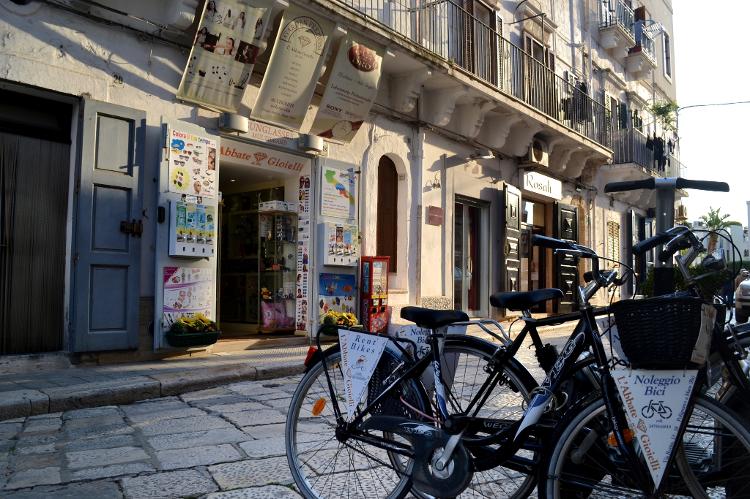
pixel 713 460
pixel 465 367
pixel 324 467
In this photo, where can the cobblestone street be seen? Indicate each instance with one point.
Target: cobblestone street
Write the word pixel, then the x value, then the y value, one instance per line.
pixel 215 443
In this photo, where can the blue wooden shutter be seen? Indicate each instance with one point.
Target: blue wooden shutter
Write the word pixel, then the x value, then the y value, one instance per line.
pixel 107 258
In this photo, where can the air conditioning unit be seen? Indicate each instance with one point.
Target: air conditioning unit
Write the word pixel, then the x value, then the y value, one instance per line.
pixel 538 153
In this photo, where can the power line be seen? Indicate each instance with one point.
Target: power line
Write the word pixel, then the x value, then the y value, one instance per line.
pixel 714 104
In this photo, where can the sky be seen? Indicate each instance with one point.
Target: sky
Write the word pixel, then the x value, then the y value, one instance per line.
pixel 710 67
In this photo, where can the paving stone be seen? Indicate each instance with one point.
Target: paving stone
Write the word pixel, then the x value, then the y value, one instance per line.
pixel 197 438
pixel 185 380
pixel 98 490
pixel 104 420
pixel 97 431
pixel 92 412
pixel 252 473
pixel 41 417
pixel 232 398
pixel 42 426
pixel 10 430
pixel 169 414
pixel 100 442
pixel 121 391
pixel 268 492
pixel 31 461
pixel 280 404
pixel 37 449
pixel 252 388
pixel 154 405
pixel 237 407
pixel 265 431
pixel 168 484
pixel 274 395
pixel 206 394
pixel 97 457
pixel 38 439
pixel 14 420
pixel 261 417
pixel 112 471
pixel 16 403
pixel 197 456
pixel 264 447
pixel 182 425
pixel 34 477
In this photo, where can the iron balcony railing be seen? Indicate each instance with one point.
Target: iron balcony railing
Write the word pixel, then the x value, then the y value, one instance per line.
pixel 632 146
pixel 615 12
pixel 451 32
pixel 644 41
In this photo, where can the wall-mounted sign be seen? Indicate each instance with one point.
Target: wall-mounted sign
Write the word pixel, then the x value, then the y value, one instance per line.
pixel 338 193
pixel 261 157
pixel 542 184
pixel 350 91
pixel 187 291
pixel 434 215
pixel 264 132
pixel 192 164
pixel 224 52
pixel 294 68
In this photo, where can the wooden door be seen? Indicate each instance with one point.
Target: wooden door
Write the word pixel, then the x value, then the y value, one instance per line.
pixel 566 227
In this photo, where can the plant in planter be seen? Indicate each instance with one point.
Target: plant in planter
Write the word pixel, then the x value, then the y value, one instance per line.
pixel 331 320
pixel 196 330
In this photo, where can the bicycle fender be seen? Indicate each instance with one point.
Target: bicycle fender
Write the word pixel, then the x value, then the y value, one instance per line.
pixel 319 355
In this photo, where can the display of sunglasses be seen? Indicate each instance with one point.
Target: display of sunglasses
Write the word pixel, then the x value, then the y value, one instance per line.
pixel 181 163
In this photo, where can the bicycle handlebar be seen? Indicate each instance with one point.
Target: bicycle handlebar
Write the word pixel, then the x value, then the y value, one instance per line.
pixel 602 278
pixel 670 182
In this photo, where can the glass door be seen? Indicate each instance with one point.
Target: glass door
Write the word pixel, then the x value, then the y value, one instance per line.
pixel 470 273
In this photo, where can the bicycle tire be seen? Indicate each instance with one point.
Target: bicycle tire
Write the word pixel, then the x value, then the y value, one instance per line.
pixel 321 465
pixel 464 377
pixel 713 460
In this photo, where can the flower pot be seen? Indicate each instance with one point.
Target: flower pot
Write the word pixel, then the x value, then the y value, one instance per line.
pixel 192 339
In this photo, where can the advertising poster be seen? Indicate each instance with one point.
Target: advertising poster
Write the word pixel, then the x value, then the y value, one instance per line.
pixel 337 292
pixel 655 403
pixel 360 354
pixel 224 52
pixel 303 283
pixel 304 196
pixel 338 193
pixel 192 164
pixel 294 68
pixel 350 91
pixel 187 291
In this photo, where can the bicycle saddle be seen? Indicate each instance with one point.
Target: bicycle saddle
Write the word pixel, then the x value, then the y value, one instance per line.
pixel 524 300
pixel 432 319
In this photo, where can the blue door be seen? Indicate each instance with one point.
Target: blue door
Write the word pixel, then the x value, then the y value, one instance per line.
pixel 106 253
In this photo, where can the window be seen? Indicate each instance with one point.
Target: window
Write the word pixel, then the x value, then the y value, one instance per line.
pixel 387 228
pixel 667 56
pixel 613 240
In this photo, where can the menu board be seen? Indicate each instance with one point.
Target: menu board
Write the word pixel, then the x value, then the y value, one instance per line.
pixel 350 91
pixel 187 291
pixel 224 51
pixel 192 164
pixel 293 70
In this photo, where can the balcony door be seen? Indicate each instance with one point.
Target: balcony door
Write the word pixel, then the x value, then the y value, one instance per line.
pixel 474 46
pixel 470 256
pixel 539 72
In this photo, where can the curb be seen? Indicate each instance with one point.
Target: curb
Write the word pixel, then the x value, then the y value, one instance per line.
pixel 23 403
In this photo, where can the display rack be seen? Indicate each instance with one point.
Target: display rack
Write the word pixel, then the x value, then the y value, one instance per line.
pixel 277 270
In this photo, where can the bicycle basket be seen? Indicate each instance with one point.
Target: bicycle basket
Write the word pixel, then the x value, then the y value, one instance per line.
pixel 659 332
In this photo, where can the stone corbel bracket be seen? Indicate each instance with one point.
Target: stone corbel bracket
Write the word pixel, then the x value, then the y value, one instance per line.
pixel 577 163
pixel 405 89
pixel 521 135
pixel 439 104
pixel 467 119
pixel 496 128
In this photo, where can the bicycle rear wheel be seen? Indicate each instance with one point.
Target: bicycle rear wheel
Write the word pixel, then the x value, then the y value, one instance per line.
pixel 713 461
pixel 323 466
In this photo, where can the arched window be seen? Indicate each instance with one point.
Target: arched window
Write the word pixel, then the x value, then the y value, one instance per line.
pixel 387 228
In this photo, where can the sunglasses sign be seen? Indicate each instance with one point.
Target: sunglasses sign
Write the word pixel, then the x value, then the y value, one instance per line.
pixel 192 164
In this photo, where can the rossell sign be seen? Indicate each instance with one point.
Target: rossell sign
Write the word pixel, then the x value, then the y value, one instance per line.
pixel 541 184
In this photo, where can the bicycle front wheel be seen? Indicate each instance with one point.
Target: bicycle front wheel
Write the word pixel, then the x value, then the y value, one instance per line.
pixel 713 459
pixel 323 466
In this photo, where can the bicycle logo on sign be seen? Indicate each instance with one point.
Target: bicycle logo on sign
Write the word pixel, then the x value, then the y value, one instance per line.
pixel 656 408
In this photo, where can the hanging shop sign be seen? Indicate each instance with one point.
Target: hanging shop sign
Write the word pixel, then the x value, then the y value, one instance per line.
pixel 224 52
pixel 294 68
pixel 542 184
pixel 262 157
pixel 338 193
pixel 192 163
pixel 360 354
pixel 187 291
pixel 350 91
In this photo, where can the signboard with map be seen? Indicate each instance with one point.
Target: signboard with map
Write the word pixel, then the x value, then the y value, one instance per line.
pixel 338 193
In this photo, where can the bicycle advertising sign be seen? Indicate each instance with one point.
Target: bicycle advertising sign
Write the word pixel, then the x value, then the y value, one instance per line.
pixel 360 353
pixel 655 403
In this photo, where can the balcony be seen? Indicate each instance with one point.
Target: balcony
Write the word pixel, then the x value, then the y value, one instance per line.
pixel 641 57
pixel 471 45
pixel 616 29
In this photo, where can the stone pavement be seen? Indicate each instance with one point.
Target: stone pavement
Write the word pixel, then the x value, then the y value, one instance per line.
pixel 222 442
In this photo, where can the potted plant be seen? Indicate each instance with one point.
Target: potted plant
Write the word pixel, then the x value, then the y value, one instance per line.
pixel 332 320
pixel 197 330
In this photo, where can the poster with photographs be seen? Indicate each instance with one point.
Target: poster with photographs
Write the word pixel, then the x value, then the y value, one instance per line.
pixel 192 164
pixel 304 196
pixel 350 90
pixel 303 283
pixel 337 292
pixel 187 291
pixel 224 51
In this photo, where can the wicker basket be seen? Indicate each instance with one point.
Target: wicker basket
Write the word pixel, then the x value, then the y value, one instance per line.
pixel 660 332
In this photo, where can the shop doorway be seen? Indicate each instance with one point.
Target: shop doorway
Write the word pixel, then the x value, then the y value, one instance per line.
pixel 470 257
pixel 257 263
pixel 533 258
pixel 34 179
